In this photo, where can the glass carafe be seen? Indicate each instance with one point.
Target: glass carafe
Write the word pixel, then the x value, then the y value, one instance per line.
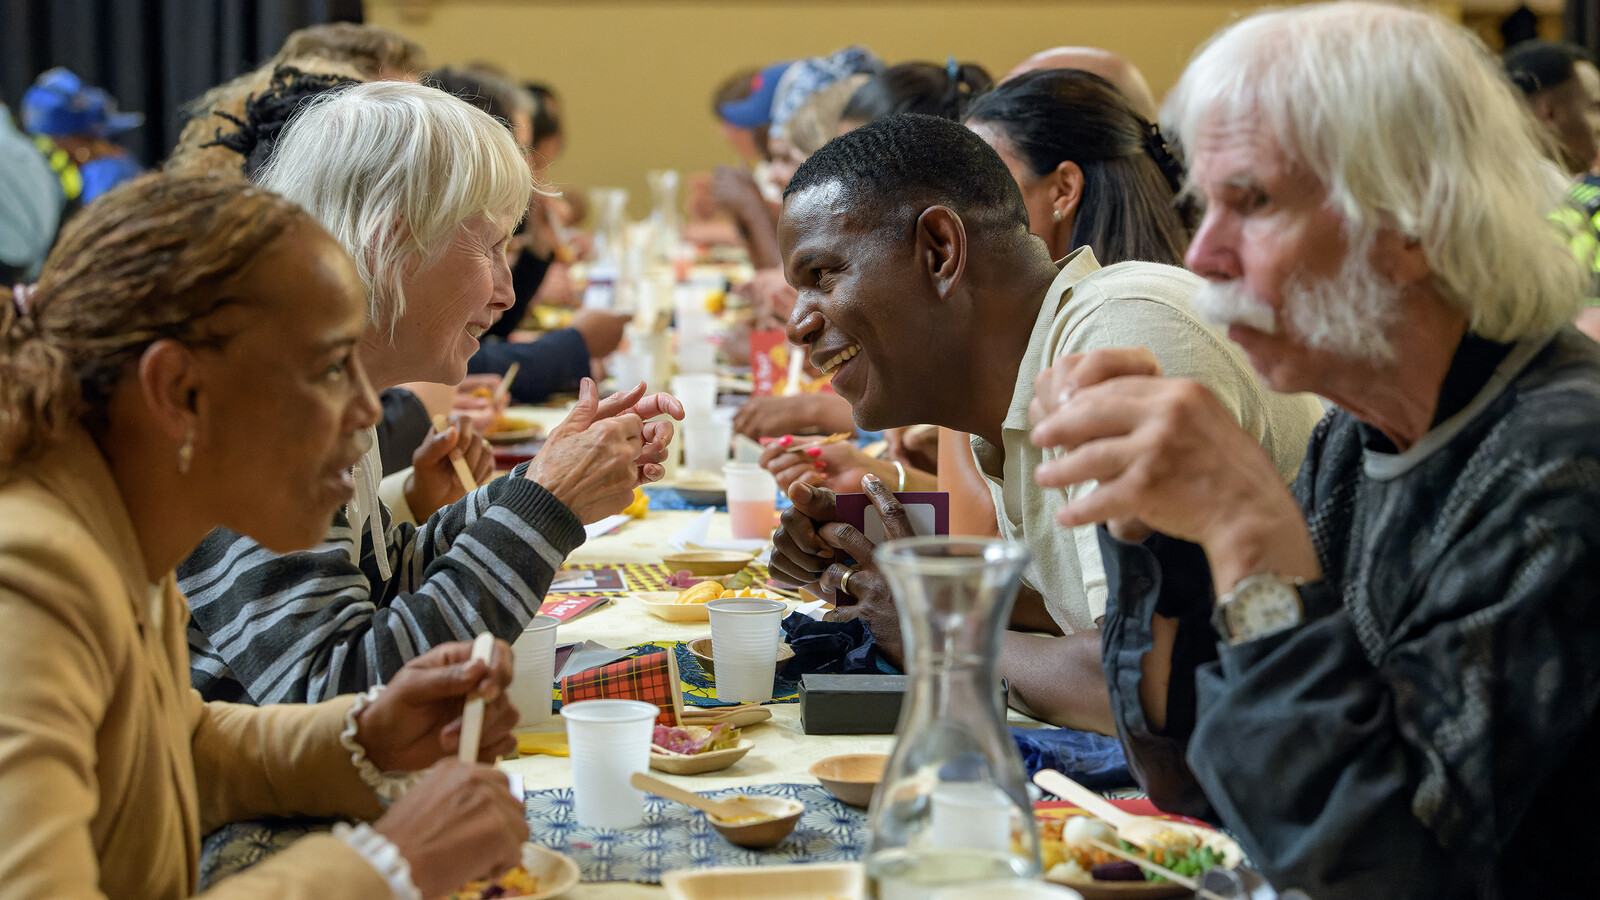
pixel 664 219
pixel 953 806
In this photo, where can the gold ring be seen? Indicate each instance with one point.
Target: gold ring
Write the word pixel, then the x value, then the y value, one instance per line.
pixel 844 581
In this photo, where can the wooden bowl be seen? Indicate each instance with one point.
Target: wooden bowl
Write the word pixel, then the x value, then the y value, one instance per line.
pixel 767 832
pixel 853 777
pixel 702 492
pixel 708 562
pixel 701 650
pixel 698 763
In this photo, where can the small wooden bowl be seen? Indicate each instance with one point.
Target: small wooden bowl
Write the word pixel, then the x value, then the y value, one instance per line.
pixel 767 832
pixel 851 778
pixel 706 492
pixel 701 650
pixel 698 763
pixel 708 562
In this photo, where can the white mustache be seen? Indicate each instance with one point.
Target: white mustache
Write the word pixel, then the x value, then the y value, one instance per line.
pixel 1225 303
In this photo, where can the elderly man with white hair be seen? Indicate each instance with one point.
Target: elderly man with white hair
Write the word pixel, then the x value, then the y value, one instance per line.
pixel 1394 693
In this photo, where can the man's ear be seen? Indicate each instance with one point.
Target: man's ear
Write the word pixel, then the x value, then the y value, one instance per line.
pixel 1400 258
pixel 942 247
pixel 170 382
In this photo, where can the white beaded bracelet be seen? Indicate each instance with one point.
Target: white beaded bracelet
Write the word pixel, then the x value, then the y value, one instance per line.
pixel 382 855
pixel 389 786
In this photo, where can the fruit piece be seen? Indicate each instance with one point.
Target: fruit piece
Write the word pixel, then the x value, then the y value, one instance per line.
pixel 704 592
pixel 640 504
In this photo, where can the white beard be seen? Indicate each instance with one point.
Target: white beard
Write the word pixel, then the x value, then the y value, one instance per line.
pixel 1349 315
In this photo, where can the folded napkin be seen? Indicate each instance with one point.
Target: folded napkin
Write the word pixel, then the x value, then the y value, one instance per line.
pixel 695 533
pixel 551 744
pixel 841 648
pixel 606 525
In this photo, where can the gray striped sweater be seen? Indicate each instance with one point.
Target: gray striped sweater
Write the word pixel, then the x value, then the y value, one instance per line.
pixel 306 626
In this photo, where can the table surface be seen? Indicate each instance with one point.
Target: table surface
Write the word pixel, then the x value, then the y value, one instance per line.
pixel 782 752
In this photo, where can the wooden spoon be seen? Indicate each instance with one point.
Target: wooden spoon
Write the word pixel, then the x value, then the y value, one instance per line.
pixel 504 387
pixel 717 809
pixel 740 716
pixel 472 713
pixel 1138 830
pixel 440 423
pixel 1192 884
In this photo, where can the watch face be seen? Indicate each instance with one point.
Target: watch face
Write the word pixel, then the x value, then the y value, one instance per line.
pixel 1262 605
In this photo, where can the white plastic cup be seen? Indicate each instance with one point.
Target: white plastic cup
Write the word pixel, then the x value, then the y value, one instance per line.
pixel 973 814
pixel 609 741
pixel 697 393
pixel 534 673
pixel 705 442
pixel 752 499
pixel 745 633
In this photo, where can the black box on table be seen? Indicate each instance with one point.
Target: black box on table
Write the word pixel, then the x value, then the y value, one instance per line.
pixel 850 704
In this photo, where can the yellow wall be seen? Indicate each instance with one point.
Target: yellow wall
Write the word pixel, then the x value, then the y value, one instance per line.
pixel 636 75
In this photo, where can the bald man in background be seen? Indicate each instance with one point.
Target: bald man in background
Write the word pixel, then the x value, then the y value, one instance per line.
pixel 1123 74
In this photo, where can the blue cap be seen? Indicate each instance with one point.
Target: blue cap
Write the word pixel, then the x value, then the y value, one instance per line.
pixel 755 110
pixel 58 102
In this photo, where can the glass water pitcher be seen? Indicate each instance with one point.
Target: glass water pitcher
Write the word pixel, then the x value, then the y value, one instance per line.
pixel 953 806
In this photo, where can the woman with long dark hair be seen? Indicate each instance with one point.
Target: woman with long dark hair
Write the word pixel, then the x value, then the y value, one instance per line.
pixel 1092 172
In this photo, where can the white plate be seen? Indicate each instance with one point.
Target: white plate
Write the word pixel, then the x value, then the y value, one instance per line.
pixel 557 873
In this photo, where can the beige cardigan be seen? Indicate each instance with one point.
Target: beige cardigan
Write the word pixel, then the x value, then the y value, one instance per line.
pixel 111 767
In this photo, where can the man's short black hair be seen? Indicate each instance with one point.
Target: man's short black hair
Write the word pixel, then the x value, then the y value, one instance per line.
pixel 1535 66
pixel 905 163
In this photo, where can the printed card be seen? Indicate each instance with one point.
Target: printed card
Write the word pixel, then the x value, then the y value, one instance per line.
pixel 928 512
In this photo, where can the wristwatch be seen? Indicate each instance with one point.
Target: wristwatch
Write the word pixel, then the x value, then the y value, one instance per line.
pixel 1258 605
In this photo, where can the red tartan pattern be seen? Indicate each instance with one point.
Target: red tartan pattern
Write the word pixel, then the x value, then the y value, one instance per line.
pixel 652 678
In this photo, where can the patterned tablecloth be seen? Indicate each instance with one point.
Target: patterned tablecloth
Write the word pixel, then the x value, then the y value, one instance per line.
pixel 674 836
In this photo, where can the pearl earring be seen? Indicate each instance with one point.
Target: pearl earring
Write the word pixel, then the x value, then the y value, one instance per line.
pixel 1055 214
pixel 186 452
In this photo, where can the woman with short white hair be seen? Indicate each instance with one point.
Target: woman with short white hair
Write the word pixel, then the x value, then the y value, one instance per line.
pixel 423 191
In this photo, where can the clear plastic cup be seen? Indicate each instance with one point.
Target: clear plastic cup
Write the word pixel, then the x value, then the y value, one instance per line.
pixel 697 393
pixel 609 741
pixel 752 500
pixel 534 670
pixel 705 443
pixel 745 633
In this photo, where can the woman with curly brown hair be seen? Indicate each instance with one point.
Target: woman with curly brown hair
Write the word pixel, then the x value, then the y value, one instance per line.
pixel 189 361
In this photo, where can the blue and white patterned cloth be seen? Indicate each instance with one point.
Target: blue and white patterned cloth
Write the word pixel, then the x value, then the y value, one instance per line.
pixel 674 836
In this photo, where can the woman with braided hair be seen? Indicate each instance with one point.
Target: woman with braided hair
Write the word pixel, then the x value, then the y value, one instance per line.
pixel 188 361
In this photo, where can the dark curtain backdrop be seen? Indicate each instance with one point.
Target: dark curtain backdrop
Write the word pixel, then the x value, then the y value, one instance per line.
pixel 152 55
